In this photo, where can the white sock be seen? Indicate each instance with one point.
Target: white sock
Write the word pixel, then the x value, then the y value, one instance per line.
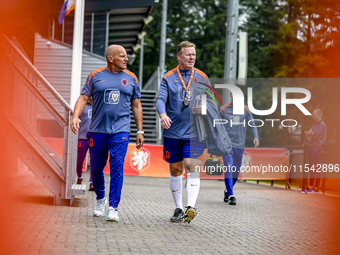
pixel 176 190
pixel 193 188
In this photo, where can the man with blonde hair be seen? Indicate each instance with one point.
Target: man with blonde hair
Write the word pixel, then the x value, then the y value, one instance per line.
pixel 178 90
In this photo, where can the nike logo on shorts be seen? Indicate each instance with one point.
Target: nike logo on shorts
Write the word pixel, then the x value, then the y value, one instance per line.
pixel 124 138
pixel 102 81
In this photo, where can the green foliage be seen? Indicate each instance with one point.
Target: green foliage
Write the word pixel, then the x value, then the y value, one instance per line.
pixel 201 22
pixel 310 30
pixel 286 39
pixel 292 38
pixel 263 24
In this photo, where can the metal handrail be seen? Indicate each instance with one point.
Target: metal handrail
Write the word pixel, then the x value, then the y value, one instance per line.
pixel 62 120
pixel 42 79
pixel 62 188
pixel 16 42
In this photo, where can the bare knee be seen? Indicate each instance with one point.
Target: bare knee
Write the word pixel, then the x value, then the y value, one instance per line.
pixel 192 165
pixel 176 169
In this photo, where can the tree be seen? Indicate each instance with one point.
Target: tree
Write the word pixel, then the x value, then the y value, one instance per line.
pixel 263 22
pixel 287 39
pixel 201 22
pixel 311 31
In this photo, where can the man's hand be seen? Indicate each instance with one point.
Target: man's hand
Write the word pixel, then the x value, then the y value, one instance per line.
pixel 139 141
pixel 256 142
pixel 74 125
pixel 78 109
pixel 309 133
pixel 165 120
pixel 197 110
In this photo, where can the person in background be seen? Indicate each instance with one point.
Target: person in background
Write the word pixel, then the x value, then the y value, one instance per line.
pixel 237 129
pixel 317 135
pixel 83 142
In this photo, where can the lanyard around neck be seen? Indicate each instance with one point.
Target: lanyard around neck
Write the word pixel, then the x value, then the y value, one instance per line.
pixel 181 78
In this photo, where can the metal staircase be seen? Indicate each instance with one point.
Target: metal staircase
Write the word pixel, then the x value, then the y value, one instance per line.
pixel 56 68
pixel 150 118
pixel 31 124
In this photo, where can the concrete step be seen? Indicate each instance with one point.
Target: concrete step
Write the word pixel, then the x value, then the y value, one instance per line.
pixel 78 189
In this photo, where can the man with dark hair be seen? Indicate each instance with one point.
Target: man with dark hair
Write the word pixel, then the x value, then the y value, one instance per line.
pixel 113 89
pixel 176 96
pixel 317 136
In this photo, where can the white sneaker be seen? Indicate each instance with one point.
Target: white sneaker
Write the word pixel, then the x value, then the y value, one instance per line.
pixel 99 210
pixel 112 214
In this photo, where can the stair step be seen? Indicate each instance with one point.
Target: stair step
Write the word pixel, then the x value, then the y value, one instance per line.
pixel 150 117
pixel 133 125
pixel 78 189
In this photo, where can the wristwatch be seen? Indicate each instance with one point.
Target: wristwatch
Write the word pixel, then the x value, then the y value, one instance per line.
pixel 140 132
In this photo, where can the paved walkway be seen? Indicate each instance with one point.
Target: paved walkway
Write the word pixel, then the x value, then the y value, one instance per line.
pixel 266 220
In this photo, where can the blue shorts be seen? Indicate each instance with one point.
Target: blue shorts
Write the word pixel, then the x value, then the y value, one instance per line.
pixel 175 150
